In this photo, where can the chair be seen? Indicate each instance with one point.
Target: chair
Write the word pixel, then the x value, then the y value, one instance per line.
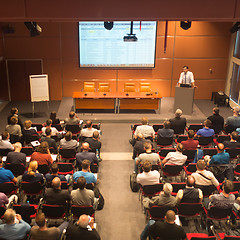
pixel 54 211
pixel 164 151
pixel 158 212
pixel 145 87
pixel 189 209
pixel 237 171
pixel 4 152
pixel 58 127
pixel 65 168
pixel 172 170
pixel 31 211
pixel 199 236
pixel 181 138
pixel 190 168
pixel 207 190
pixel 16 169
pixel 89 87
pixel 103 87
pixel 129 87
pixel 9 188
pixel 150 190
pixel 30 138
pixel 14 138
pixel 68 154
pixel 176 186
pixel 2 211
pixel 44 169
pixel 77 211
pixel 233 152
pixel 75 129
pixel 156 127
pixel 27 150
pixel 164 141
pixel 32 188
pixel 205 141
pixel 94 167
pixel 209 151
pixel 190 155
pixel 38 126
pixel 195 127
pixel 221 139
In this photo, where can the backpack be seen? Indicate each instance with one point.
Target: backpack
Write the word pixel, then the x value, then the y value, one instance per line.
pixel 133 182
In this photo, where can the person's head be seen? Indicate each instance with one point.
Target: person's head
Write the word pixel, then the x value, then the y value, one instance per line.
pixel 81 183
pixel 17 146
pixel 236 110
pixel 208 123
pixel 14 111
pixel 220 147
pixel 68 136
pixel 167 188
pixel 228 186
pixel 9 216
pixel 13 120
pixel 53 115
pixel 216 110
pixel 43 148
pixel 27 124
pixel 5 135
pixel 89 124
pixel 83 221
pixel 166 124
pixel 85 146
pixel 144 120
pixel 180 147
pixel 170 216
pixel 95 134
pixel 234 135
pixel 48 123
pixel 40 219
pixel 139 136
pixel 33 165
pixel 147 166
pixel 72 114
pixel 48 131
pixel 201 165
pixel 85 164
pixel 190 182
pixel 178 113
pixel 190 133
pixel 185 68
pixel 56 183
pixel 54 168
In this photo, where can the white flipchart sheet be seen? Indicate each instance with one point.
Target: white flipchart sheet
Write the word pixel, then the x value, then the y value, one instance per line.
pixel 39 88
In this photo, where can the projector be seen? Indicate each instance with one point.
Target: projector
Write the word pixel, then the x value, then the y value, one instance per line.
pixel 130 38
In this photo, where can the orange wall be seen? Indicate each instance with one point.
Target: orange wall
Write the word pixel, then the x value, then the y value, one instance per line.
pixel 204 46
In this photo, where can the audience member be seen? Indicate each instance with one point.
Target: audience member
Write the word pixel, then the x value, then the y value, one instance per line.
pixel 28 130
pixel 14 113
pixel 86 173
pixel 13 128
pixel 72 120
pixel 175 158
pixel 139 146
pixel 49 125
pixel 206 131
pixel 233 122
pixel 15 227
pixel 88 131
pixel 148 177
pixel 154 158
pixel 217 121
pixel 54 173
pixel 189 194
pixel 94 142
pixel 233 143
pixel 42 156
pixel 146 130
pixel 16 157
pixel 166 132
pixel 178 123
pixel 5 174
pixel 190 143
pixel 164 199
pixel 4 141
pixel 83 229
pixel 56 195
pixel 221 157
pixel 47 138
pixel 53 117
pixel 67 142
pixel 32 175
pixel 164 230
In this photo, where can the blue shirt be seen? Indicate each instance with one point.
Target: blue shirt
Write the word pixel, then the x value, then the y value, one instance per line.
pixel 220 158
pixel 6 175
pixel 205 132
pixel 90 178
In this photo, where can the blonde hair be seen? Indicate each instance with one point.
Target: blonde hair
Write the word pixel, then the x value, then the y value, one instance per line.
pixel 33 165
pixel 27 124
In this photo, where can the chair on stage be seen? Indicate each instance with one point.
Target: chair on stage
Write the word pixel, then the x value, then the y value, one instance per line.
pixel 129 87
pixel 145 87
pixel 89 87
pixel 103 87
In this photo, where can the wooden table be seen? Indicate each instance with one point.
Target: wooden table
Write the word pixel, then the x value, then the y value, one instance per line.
pixel 117 101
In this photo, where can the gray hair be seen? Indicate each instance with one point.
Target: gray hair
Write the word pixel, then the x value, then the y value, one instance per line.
pixel 167 188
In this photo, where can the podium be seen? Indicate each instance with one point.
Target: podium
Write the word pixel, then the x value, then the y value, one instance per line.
pixel 184 100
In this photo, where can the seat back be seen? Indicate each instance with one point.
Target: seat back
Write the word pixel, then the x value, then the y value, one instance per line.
pixel 16 169
pixel 30 138
pixel 151 190
pixel 156 127
pixel 218 213
pixel 205 141
pixel 176 186
pixel 195 127
pixel 2 211
pixel 181 138
pixel 172 170
pixel 44 169
pixel 209 151
pixel 77 211
pixel 8 188
pixel 14 138
pixel 32 188
pixel 222 138
pixel 164 151
pixel 4 152
pixel 38 126
pixel 67 153
pixel 65 168
pixel 200 236
pixel 58 127
pixel 75 129
pixel 104 87
pixel 145 87
pixel 89 87
pixel 164 141
pixel 54 211
pixel 207 190
pixel 27 150
pixel 159 212
pixel 189 209
pixel 190 168
pixel 190 154
pixel 27 211
pixel 129 87
pixel 233 152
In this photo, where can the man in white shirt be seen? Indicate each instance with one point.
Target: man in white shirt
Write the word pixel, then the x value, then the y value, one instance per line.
pixel 148 177
pixel 49 125
pixel 186 77
pixel 89 130
pixel 146 130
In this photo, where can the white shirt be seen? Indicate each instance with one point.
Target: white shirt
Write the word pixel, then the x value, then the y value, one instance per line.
pixel 145 130
pixel 186 78
pixel 54 131
pixel 200 180
pixel 176 158
pixel 148 178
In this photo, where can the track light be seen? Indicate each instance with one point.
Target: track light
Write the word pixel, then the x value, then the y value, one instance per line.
pixel 108 25
pixel 185 24
pixel 34 28
pixel 235 27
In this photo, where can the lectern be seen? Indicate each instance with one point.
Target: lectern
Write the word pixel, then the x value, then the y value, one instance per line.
pixel 184 100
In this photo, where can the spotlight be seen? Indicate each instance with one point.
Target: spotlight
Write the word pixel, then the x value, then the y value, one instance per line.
pixel 108 25
pixel 235 27
pixel 34 28
pixel 185 24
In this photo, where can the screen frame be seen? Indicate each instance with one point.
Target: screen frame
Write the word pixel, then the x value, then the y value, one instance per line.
pixel 116 68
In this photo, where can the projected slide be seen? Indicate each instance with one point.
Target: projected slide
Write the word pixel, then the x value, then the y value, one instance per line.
pixel 127 45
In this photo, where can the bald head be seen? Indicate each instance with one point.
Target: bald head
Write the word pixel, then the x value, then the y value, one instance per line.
pixel 220 147
pixel 85 146
pixel 83 221
pixel 190 181
pixel 56 183
pixel 170 216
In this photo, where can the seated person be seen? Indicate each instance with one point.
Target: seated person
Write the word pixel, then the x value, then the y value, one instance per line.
pixel 148 177
pixel 233 122
pixel 163 199
pixel 178 124
pixel 15 227
pixel 67 142
pixel 72 120
pixel 32 175
pixel 51 141
pixel 145 129
pixel 166 132
pixel 5 174
pixel 53 117
pixel 190 143
pixel 190 194
pixel 14 113
pixel 139 146
pixel 233 143
pixel 56 195
pixel 28 130
pixel 94 142
pixel 206 131
pixel 54 173
pixel 217 121
pixel 16 157
pixel 221 157
pixel 5 141
pixel 49 125
pixel 13 128
pixel 88 131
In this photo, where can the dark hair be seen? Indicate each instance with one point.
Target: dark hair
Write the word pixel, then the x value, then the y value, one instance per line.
pixel 88 124
pixel 95 134
pixel 71 114
pixel 48 131
pixel 54 168
pixel 85 164
pixel 190 133
pixel 180 147
pixel 13 110
pixel 40 219
pixel 201 164
pixel 216 110
pixel 13 120
pixel 53 116
pixel 167 124
pixel 48 122
pixel 5 135
pixel 234 135
pixel 43 148
pixel 185 67
pixel 190 182
pixel 147 166
pixel 81 182
pixel 208 123
pixel 68 136
pixel 228 186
